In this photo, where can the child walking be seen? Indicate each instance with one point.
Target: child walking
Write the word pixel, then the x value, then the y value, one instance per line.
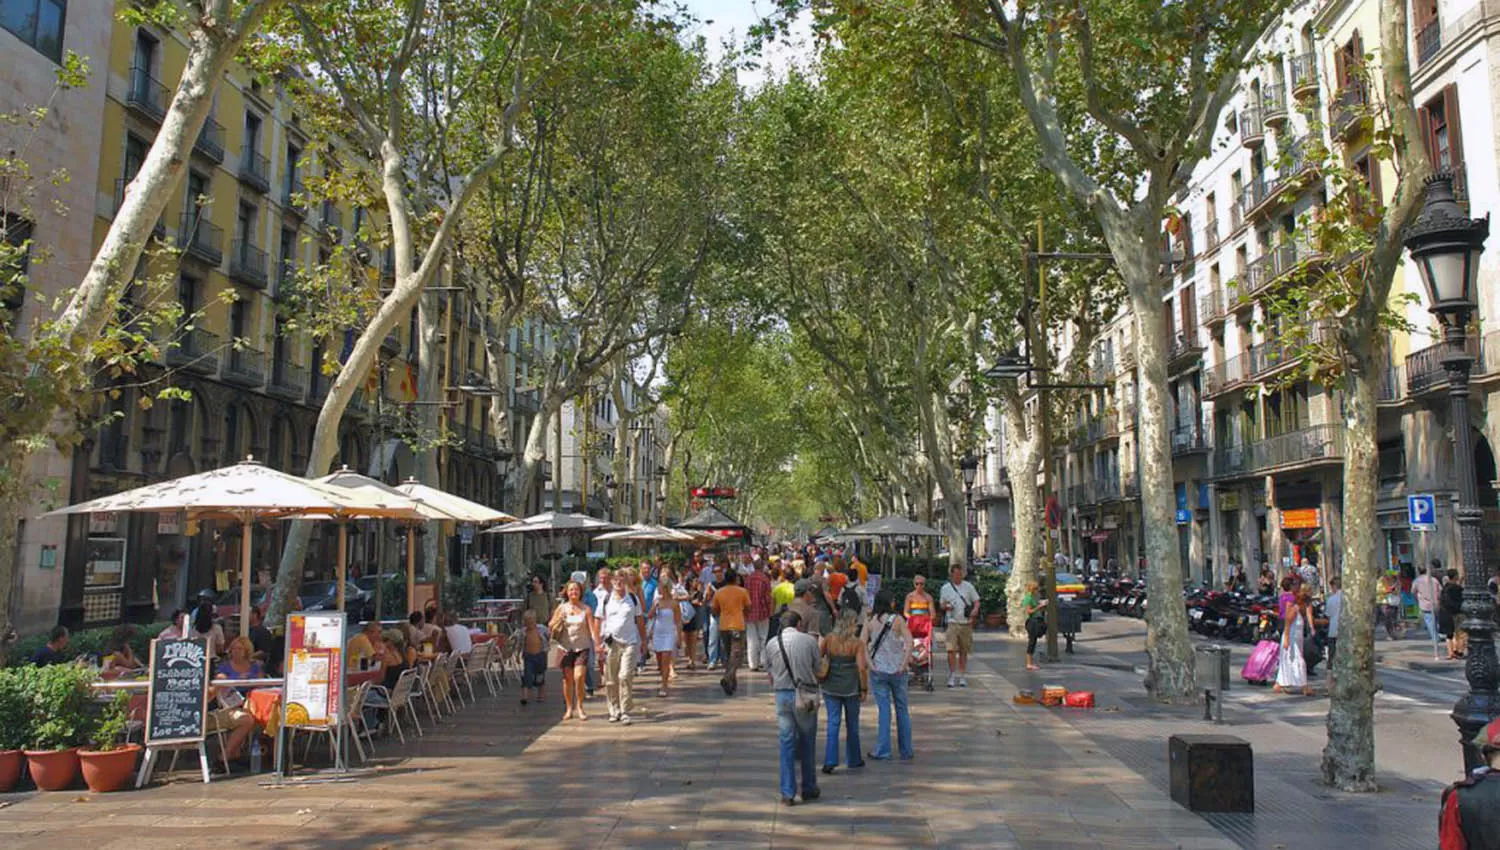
pixel 533 657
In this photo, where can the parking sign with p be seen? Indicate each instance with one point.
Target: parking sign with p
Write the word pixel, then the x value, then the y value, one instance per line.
pixel 1422 511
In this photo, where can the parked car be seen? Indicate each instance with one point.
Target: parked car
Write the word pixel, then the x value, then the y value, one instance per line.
pixel 323 596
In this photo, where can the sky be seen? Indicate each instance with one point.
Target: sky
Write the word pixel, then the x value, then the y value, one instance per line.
pixel 731 19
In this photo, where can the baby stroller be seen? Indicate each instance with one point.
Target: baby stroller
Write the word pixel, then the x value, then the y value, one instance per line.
pixel 921 656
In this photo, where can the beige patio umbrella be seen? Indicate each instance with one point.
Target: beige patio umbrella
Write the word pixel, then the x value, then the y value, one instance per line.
pixel 347 479
pixel 247 492
pixel 456 507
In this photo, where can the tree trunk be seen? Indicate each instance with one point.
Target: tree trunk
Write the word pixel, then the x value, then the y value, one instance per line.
pixel 1349 757
pixel 532 458
pixel 1023 451
pixel 1170 674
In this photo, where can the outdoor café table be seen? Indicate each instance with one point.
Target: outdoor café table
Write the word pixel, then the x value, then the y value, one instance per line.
pixel 355 678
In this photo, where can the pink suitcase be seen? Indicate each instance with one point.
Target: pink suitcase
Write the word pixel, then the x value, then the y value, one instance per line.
pixel 1262 664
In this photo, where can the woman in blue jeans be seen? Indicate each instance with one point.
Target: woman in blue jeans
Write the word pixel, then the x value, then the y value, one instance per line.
pixel 889 649
pixel 844 686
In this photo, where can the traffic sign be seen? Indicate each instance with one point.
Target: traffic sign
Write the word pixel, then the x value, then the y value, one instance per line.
pixel 1422 511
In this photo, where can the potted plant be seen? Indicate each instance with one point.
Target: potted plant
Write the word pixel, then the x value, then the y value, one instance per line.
pixel 59 701
pixel 992 600
pixel 110 765
pixel 15 727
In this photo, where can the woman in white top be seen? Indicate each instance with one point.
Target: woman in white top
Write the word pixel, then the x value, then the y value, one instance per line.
pixel 666 626
pixel 889 645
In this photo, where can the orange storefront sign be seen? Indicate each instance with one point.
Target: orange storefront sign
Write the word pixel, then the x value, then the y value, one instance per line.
pixel 1301 518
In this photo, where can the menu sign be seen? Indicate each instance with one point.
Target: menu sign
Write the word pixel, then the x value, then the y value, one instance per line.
pixel 310 630
pixel 177 697
pixel 312 693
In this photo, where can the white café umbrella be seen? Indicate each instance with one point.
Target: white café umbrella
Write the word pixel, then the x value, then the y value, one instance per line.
pixel 246 492
pixel 456 507
pixel 351 480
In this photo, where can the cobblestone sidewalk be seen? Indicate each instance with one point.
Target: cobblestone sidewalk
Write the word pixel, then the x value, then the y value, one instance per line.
pixel 699 770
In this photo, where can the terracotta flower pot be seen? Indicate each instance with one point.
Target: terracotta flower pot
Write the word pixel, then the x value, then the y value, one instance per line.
pixel 53 770
pixel 994 621
pixel 109 771
pixel 10 769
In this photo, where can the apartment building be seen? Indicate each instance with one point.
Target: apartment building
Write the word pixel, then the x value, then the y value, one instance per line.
pixel 243 223
pixel 589 433
pixel 1257 454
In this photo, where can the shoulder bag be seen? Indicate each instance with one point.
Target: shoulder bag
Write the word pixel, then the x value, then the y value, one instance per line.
pixel 807 695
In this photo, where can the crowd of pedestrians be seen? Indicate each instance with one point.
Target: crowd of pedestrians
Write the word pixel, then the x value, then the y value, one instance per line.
pixel 816 625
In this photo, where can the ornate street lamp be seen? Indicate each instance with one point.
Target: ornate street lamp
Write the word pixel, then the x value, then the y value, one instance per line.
pixel 1446 246
pixel 969 465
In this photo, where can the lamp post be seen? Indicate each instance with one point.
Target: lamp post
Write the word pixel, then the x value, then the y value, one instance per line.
pixel 970 467
pixel 1446 246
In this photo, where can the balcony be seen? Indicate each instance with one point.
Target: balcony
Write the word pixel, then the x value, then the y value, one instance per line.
pixel 1251 197
pixel 477 441
pixel 201 238
pixel 210 141
pixel 1185 352
pixel 288 381
pixel 1126 361
pixel 1106 489
pixel 1311 446
pixel 1226 376
pixel 1349 112
pixel 1100 426
pixel 391 344
pixel 255 170
pixel 1304 75
pixel 195 349
pixel 1188 438
pixel 1211 236
pixel 289 192
pixel 1074 495
pixel 525 401
pixel 1424 368
pixel 332 221
pixel 1273 104
pixel 1269 268
pixel 1429 41
pixel 247 264
pixel 1122 420
pixel 286 276
pixel 1252 127
pixel 1211 307
pixel 145 96
pixel 1102 368
pixel 1306 447
pixel 1130 486
pixel 246 366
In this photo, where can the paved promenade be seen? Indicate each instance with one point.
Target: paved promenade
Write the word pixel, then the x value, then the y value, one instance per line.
pixel 699 770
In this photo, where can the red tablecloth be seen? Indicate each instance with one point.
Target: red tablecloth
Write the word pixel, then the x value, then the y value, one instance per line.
pixel 482 637
pixel 264 704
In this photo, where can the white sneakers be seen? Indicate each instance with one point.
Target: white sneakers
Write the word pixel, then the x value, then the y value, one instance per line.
pixel 952 680
pixel 963 681
pixel 624 720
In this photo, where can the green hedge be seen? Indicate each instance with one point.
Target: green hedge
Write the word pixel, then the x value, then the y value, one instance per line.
pixel 91 642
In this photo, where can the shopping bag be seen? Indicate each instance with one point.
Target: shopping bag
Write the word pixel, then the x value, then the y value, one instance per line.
pixel 1079 699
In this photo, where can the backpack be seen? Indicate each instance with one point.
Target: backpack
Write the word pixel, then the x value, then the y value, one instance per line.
pixel 851 600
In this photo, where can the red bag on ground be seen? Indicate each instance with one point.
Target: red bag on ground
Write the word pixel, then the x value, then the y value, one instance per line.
pixel 1261 667
pixel 1079 699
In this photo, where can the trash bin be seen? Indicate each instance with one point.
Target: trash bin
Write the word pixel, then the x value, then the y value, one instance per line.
pixel 1069 621
pixel 1211 667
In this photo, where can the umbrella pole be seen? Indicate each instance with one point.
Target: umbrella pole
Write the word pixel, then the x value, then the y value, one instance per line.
pixel 343 561
pixel 411 566
pixel 247 526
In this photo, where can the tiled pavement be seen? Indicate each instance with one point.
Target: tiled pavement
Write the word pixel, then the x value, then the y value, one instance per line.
pixel 699 770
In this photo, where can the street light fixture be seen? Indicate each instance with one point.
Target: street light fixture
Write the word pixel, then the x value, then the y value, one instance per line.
pixel 1446 245
pixel 969 465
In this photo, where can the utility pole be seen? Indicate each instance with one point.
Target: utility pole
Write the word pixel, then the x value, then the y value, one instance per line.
pixel 1044 365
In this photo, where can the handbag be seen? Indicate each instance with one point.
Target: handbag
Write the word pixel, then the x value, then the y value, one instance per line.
pixel 807 696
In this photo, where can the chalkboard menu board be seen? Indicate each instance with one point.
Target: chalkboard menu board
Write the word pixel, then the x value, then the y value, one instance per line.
pixel 177 702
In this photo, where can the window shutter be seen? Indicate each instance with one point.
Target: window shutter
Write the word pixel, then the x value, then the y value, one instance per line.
pixel 1425 125
pixel 1455 133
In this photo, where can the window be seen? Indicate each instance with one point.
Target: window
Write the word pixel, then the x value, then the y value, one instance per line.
pixel 187 296
pixel 288 256
pixel 252 133
pixel 1391 460
pixel 244 225
pixel 14 265
pixel 239 319
pixel 197 192
pixel 39 23
pixel 293 176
